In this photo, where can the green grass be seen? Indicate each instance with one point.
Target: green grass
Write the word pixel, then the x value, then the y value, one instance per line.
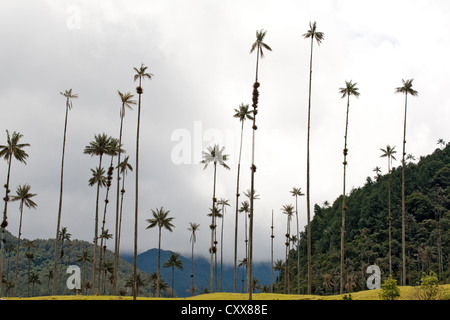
pixel 406 293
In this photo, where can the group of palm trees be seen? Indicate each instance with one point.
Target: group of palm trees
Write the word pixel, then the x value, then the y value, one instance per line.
pixel 104 145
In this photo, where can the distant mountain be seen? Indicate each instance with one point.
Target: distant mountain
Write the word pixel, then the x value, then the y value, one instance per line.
pixel 148 262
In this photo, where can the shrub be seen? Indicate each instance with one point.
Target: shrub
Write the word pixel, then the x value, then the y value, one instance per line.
pixel 389 289
pixel 429 287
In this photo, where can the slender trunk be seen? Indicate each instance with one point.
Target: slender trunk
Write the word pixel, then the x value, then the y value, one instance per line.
pixel 308 209
pixel 4 222
pixel 389 217
pixel 159 261
pixel 403 198
pixel 94 258
pixel 192 269
pixel 136 208
pixel 344 207
pixel 221 249
pixel 271 256
pixel 117 227
pixel 298 248
pixel 237 207
pixel 58 224
pixel 213 227
pixel 18 250
pixel 252 184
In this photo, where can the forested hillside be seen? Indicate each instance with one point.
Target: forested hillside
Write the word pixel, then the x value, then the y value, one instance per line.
pixel 36 261
pixel 366 230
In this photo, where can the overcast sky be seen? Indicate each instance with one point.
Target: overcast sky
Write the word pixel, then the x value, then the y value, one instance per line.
pixel 198 52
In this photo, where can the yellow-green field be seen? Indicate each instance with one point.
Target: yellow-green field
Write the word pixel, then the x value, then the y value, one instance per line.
pixel 406 293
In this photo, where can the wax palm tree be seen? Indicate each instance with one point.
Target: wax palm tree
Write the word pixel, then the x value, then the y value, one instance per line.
pixel 84 258
pixel 243 264
pixel 127 102
pixel 97 179
pixel 215 213
pixel 33 279
pixel 216 156
pixel 12 149
pixel 389 154
pixel 69 96
pixel 23 195
pixel 258 45
pixel 318 37
pixel 405 89
pixel 141 74
pixel 123 166
pixel 98 147
pixel 173 262
pixel 222 202
pixel 297 192
pixel 350 89
pixel 243 113
pixel 245 209
pixel 160 219
pixel 193 227
pixel 114 149
pixel 288 210
pixel 271 255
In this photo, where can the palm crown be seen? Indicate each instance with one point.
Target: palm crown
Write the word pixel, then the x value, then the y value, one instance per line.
pixel 215 155
pixel 407 88
pixel 314 34
pixel 23 194
pixel 349 89
pixel 259 43
pixel 14 148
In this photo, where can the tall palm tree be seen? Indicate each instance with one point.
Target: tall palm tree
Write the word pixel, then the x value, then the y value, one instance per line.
pixel 141 74
pixel 215 213
pixel 23 195
pixel 318 36
pixel 242 114
pixel 173 262
pixel 127 102
pixel 160 219
pixel 405 89
pixel 271 255
pixel 389 153
pixel 350 89
pixel 222 202
pixel 258 45
pixel 114 148
pixel 85 257
pixel 123 166
pixel 216 156
pixel 69 96
pixel 288 210
pixel 297 192
pixel 12 149
pixel 98 147
pixel 245 209
pixel 193 227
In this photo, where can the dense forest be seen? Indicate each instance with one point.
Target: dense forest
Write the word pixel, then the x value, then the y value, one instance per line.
pixel 366 230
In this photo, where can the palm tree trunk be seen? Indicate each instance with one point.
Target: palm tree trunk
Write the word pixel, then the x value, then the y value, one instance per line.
pixel 212 227
pixel 252 185
pixel 389 217
pixel 58 224
pixel 237 206
pixel 192 269
pixel 344 208
pixel 298 247
pixel 94 259
pixel 117 228
pixel 308 209
pixel 4 223
pixel 18 250
pixel 159 261
pixel 136 208
pixel 271 256
pixel 403 198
